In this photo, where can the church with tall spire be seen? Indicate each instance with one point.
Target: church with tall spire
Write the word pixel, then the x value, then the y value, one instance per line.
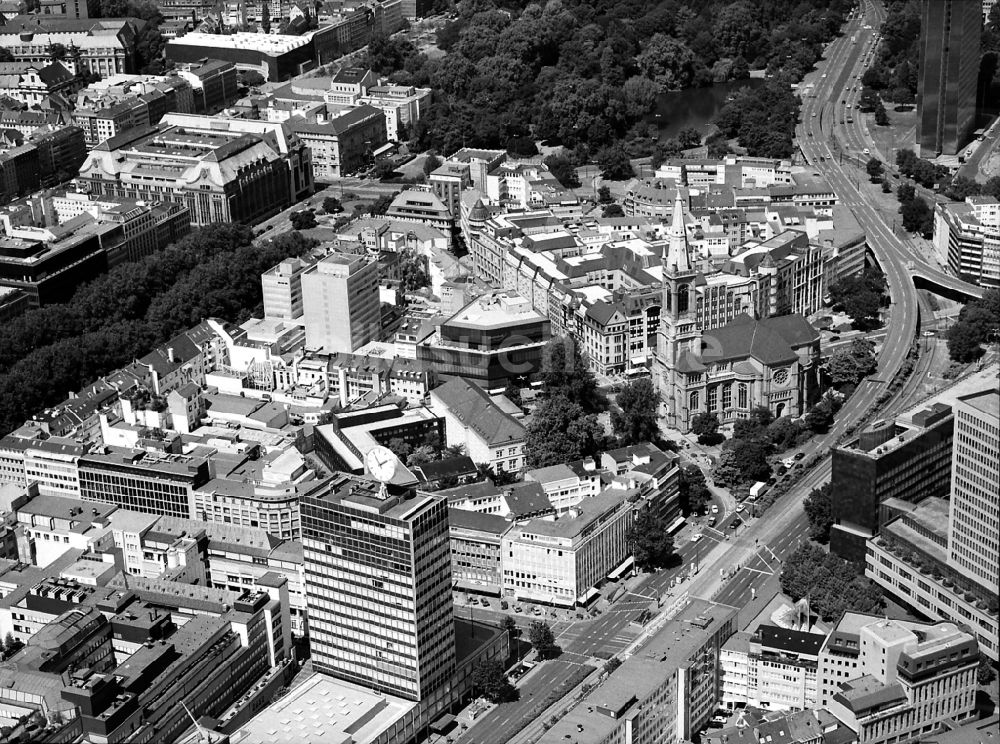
pixel 679 337
pixel 729 370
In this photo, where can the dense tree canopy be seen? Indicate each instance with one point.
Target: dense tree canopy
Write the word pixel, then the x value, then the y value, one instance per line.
pixel 651 544
pixel 586 71
pixel 818 506
pixel 693 492
pixel 861 297
pixel 831 584
pixel 633 417
pixel 566 372
pixel 848 366
pixel 119 316
pixel 540 636
pixel 978 322
pixel 560 431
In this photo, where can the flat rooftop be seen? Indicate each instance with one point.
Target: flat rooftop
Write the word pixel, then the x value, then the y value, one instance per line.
pixel 640 675
pixel 323 709
pixel 271 44
pixel 496 310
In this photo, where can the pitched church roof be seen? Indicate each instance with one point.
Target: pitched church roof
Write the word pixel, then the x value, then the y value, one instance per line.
pixel 771 341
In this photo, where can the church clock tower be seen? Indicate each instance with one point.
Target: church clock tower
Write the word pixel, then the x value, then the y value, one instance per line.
pixel 679 337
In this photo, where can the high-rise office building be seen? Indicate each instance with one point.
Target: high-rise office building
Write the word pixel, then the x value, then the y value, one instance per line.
pixel 282 288
pixel 341 303
pixel 949 74
pixel 378 586
pixel 975 504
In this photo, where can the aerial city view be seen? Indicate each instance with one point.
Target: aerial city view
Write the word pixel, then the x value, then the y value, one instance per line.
pixel 499 371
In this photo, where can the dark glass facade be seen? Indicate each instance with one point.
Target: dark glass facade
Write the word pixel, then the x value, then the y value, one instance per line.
pixel 949 73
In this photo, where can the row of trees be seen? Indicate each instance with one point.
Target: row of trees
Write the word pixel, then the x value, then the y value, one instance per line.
pixel 894 71
pixel 585 72
pixel 831 584
pixel 213 272
pixel 977 322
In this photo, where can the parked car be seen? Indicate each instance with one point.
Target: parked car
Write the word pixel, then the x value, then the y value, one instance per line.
pixel 799 455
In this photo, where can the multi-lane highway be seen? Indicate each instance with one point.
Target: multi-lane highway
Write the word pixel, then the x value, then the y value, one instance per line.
pixel 834 136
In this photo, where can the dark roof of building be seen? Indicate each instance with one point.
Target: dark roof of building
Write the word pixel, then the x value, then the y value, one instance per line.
pixel 472 406
pixel 794 641
pixel 350 75
pixel 526 499
pixel 473 520
pixel 482 490
pixel 771 340
pixel 453 466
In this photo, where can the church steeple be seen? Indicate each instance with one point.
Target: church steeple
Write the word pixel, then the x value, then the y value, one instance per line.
pixel 678 258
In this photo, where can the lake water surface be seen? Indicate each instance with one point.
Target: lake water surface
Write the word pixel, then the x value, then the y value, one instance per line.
pixel 696 107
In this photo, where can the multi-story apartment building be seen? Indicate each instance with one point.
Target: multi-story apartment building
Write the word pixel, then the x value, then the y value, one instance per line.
pixel 907 458
pixel 231 170
pixel 893 680
pixel 662 695
pixel 475 539
pixel 262 491
pixel 401 105
pixel 120 102
pixel 424 207
pixel 61 152
pixel 341 303
pixel 344 144
pixel 773 668
pixel 213 84
pixel 967 239
pixel 378 586
pixel 561 561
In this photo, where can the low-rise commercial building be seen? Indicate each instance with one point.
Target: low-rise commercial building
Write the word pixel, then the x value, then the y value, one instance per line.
pixel 476 560
pixel 562 561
